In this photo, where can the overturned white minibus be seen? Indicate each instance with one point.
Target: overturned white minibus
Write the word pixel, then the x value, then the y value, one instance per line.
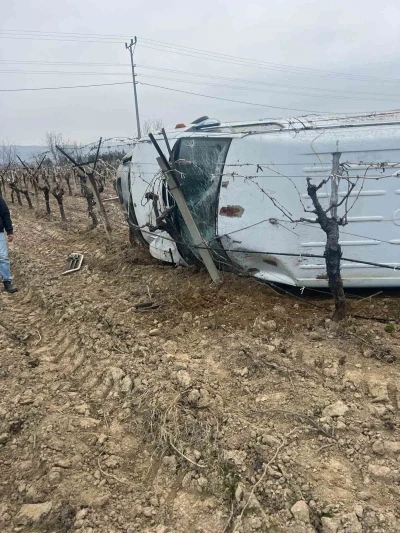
pixel 245 185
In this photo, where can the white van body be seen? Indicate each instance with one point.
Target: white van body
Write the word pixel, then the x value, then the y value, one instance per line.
pixel 254 179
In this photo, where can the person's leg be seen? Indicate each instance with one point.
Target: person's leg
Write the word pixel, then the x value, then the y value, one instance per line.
pixel 5 271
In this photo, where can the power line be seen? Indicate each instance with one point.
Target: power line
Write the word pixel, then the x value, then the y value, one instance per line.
pixel 65 87
pixel 170 47
pixel 241 80
pixel 197 82
pixel 247 80
pixel 67 33
pixel 174 90
pixel 226 99
pixel 279 65
pixel 19 71
pixel 253 89
pixel 248 103
pixel 151 85
pixel 262 67
pixel 23 62
pixel 44 39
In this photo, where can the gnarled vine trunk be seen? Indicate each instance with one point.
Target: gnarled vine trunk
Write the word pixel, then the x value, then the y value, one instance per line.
pixel 333 253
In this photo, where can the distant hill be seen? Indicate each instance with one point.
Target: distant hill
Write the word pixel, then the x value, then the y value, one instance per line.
pixel 26 152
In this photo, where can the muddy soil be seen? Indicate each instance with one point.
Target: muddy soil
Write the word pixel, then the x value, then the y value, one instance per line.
pixel 229 409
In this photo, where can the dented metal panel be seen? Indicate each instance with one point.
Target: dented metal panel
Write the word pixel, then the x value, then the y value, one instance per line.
pixel 246 193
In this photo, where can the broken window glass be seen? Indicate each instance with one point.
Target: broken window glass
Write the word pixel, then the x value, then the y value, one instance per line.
pixel 199 163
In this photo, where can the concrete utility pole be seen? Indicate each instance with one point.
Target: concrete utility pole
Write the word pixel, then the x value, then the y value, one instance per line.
pixel 131 48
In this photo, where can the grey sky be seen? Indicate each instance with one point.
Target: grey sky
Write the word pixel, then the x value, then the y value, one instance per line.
pixel 349 36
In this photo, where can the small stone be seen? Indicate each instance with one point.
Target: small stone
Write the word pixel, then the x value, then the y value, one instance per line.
pixel 386 448
pixel 338 408
pixel 376 409
pixel 80 515
pixel 102 438
pixel 330 525
pixel 154 501
pixel 154 332
pixel 32 513
pixel 378 471
pixel 392 447
pixel 202 482
pixel 6 517
pixel 187 318
pixel 88 423
pixel 126 385
pixel 183 378
pixel 82 409
pixel 270 325
pixel 301 512
pixel 270 440
pixel 63 463
pixel 170 347
pixel 24 466
pixel 239 492
pixel 170 462
pixel 341 425
pixel 112 461
pixel 101 501
pixel 116 375
pixel 351 523
pixel 54 477
pixel 4 438
pixel 359 510
pixel 279 310
pixel 315 336
pixel 267 325
pixel 364 495
pixel 379 391
pixel 194 396
pixel 331 372
pixel 378 447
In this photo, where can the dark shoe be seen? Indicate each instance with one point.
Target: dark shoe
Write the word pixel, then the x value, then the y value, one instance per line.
pixel 9 287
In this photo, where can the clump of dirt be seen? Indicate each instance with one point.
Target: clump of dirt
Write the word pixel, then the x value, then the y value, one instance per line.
pixel 137 397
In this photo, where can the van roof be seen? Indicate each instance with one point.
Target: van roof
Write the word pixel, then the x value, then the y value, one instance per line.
pixel 312 121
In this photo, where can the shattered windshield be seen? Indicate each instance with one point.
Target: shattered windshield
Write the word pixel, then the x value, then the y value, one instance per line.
pixel 199 163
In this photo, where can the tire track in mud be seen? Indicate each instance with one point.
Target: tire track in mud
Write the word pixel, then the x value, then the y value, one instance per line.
pixel 89 397
pixel 81 396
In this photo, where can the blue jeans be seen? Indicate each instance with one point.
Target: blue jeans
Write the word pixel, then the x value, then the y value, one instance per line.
pixel 5 272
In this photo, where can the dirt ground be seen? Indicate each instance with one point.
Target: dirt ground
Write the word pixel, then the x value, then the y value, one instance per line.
pixel 230 409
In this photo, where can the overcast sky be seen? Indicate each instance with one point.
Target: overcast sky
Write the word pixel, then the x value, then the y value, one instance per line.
pixel 352 37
